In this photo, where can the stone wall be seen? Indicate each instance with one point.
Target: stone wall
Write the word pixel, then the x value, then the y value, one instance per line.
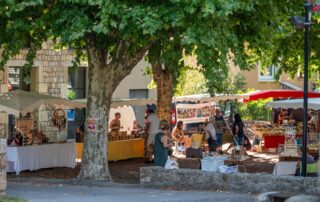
pixel 187 179
pixel 50 72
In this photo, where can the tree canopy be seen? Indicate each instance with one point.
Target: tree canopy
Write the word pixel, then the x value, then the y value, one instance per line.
pixel 116 34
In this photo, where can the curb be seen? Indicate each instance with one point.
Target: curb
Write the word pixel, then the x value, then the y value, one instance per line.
pixel 73 181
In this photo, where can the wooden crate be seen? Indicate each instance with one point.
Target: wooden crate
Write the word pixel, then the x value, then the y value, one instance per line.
pixel 194 153
pixel 189 163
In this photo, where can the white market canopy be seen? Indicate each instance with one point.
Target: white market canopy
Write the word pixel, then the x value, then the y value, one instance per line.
pixel 188 98
pixel 208 98
pixel 122 102
pixel 19 101
pixel 313 103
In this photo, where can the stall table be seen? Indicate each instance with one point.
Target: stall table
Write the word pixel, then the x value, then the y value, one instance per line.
pixel 273 141
pixel 239 161
pixel 120 149
pixel 41 156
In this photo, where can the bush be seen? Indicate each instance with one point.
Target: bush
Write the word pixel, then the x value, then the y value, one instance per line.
pixel 254 110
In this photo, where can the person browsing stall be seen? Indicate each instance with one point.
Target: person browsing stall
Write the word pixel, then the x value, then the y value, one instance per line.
pixel 162 144
pixel 211 136
pixel 115 124
pixel 237 130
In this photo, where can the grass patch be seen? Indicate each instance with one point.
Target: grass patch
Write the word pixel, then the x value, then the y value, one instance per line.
pixel 11 199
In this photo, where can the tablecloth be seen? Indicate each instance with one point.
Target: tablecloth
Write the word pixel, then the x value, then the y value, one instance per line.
pixel 285 168
pixel 273 141
pixel 120 149
pixel 41 156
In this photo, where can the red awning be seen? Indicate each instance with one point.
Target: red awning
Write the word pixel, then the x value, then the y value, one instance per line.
pixel 279 94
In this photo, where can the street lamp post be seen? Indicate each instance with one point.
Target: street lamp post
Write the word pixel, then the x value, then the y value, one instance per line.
pixel 300 22
pixel 307 25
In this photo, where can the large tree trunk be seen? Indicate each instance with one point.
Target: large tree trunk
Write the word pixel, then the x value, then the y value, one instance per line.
pixel 94 164
pixel 164 80
pixel 104 77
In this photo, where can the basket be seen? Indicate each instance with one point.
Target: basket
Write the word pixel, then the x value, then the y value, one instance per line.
pixel 228 169
pixel 211 165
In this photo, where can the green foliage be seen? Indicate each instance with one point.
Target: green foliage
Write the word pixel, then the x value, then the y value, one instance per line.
pixel 254 110
pixel 190 81
pixel 71 94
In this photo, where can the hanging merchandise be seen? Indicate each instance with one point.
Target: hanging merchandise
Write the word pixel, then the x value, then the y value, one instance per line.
pixel 59 119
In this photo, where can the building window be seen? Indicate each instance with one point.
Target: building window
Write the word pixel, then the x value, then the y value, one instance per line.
pixel 14 77
pixel 138 93
pixel 267 73
pixel 77 82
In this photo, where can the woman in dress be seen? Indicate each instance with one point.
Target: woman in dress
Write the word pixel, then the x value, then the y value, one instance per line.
pixel 162 145
pixel 178 135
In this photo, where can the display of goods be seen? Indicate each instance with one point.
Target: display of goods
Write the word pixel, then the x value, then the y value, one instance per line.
pixel 313 146
pixel 27 139
pixel 38 138
pixel 290 147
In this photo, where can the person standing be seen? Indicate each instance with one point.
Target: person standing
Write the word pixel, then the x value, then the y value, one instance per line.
pixel 211 136
pixel 237 129
pixel 152 128
pixel 220 125
pixel 115 124
pixel 162 144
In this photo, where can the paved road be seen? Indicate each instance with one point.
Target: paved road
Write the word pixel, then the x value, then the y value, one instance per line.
pixel 42 192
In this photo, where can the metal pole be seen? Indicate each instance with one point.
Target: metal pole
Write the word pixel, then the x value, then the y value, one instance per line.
pixel 307 24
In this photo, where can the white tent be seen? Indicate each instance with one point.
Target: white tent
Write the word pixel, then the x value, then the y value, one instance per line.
pixel 19 101
pixel 313 103
pixel 208 98
pixel 121 102
pixel 127 117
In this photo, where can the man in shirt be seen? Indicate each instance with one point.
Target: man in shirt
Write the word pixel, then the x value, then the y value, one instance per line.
pixel 211 136
pixel 219 125
pixel 152 128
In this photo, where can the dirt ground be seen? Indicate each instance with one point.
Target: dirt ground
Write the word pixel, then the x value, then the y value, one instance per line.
pixel 127 171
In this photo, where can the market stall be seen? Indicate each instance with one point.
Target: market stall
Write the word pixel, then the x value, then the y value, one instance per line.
pixel 37 135
pixel 293 135
pixel 280 94
pixel 119 149
pixel 274 135
pixel 128 142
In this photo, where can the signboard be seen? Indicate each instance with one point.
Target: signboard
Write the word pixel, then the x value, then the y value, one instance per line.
pixel 194 113
pixel 71 115
pixel 91 125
